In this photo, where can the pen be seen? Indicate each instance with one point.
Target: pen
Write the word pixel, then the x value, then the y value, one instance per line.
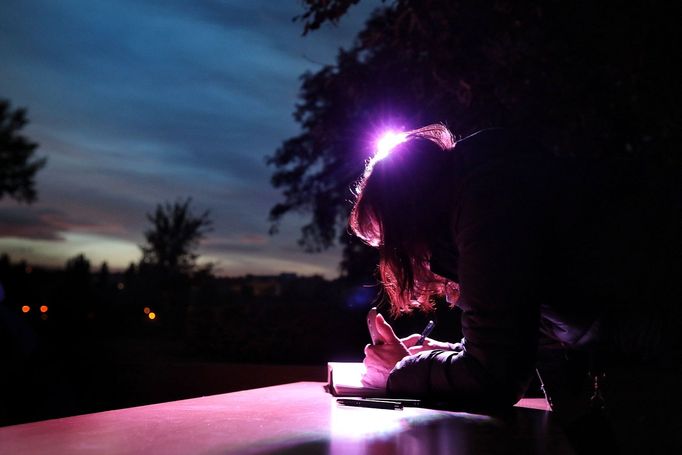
pixel 362 403
pixel 426 332
pixel 406 402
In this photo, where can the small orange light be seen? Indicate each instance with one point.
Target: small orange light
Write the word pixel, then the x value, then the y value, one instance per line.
pixel 147 310
pixel 43 308
pixel 25 309
pixel 152 316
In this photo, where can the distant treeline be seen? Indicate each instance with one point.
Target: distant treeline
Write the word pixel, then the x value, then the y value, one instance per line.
pixel 264 319
pixel 269 319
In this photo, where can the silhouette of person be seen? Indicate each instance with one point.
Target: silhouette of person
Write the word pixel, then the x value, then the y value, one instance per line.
pixel 560 266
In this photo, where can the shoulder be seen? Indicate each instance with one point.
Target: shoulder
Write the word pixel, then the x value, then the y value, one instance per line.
pixel 500 161
pixel 498 145
pixel 503 202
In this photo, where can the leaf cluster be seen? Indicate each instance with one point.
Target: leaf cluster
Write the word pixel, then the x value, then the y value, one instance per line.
pixel 320 11
pixel 18 166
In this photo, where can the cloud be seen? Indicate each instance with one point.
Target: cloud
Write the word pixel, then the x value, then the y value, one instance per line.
pixel 39 225
pixel 140 102
pixel 49 224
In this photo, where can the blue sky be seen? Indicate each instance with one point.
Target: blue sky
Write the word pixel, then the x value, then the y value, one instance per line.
pixel 137 102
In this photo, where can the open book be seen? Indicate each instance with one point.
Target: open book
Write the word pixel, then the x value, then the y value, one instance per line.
pixel 344 379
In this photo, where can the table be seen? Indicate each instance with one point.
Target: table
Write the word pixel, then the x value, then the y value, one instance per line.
pixel 287 419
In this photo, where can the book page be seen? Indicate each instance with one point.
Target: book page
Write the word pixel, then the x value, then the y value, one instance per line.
pixel 345 379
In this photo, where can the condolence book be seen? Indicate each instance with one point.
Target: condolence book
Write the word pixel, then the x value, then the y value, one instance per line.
pixel 344 379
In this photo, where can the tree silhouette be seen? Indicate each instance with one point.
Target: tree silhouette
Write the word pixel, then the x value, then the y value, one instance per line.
pixel 17 165
pixel 321 11
pixel 174 237
pixel 586 78
pixel 78 265
pixel 77 292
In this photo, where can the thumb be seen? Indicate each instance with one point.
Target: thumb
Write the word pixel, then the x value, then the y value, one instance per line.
pixel 386 331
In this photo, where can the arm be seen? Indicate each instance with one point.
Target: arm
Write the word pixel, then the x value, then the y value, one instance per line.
pixel 497 233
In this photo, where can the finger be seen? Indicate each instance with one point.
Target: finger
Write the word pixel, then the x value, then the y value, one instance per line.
pixel 386 331
pixel 410 340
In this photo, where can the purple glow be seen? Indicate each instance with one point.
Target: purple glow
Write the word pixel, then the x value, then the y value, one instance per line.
pixel 387 142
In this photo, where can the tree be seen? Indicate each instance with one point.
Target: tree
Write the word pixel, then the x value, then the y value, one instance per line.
pixel 103 275
pixel 78 265
pixel 174 237
pixel 17 163
pixel 77 292
pixel 588 78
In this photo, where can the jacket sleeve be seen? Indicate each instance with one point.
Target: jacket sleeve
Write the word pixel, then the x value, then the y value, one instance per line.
pixel 499 235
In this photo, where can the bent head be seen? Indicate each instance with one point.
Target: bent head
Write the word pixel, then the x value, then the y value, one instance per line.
pixel 401 182
pixel 399 203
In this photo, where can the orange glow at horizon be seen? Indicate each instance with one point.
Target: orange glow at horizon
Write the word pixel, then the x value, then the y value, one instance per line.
pixel 25 309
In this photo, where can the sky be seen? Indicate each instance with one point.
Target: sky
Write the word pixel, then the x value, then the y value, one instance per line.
pixel 140 102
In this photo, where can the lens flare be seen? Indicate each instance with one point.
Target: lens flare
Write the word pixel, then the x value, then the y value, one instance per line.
pixel 387 142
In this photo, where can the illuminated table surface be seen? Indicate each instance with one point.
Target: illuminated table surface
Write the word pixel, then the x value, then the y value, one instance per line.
pixel 291 418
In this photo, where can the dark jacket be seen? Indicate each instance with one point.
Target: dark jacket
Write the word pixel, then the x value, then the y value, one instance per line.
pixel 549 253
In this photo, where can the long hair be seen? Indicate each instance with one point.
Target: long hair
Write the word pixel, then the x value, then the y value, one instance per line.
pixel 401 201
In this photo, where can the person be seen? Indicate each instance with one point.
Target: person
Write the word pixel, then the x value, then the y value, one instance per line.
pixel 561 267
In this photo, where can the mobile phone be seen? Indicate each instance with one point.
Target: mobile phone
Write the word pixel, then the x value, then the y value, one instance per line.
pixel 372 327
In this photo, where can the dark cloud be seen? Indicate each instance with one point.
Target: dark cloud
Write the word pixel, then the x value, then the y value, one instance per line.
pixel 46 224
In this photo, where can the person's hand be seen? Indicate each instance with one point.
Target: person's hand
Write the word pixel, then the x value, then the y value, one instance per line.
pixel 429 344
pixel 380 359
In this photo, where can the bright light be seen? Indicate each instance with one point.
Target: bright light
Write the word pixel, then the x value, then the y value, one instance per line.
pixel 43 308
pixel 387 142
pixel 25 309
pixel 147 310
pixel 152 315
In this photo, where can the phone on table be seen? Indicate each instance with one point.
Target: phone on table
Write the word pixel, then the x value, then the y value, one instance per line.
pixel 372 327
